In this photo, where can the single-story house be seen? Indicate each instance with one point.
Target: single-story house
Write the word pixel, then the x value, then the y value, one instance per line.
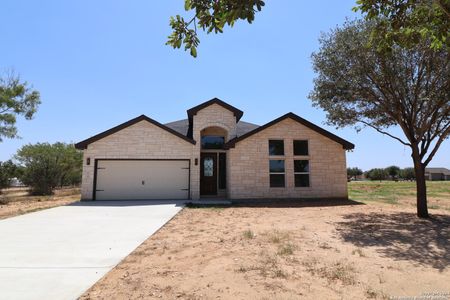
pixel 437 174
pixel 213 153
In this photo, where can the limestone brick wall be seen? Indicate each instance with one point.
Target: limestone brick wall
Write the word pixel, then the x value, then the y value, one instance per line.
pixel 142 140
pixel 214 116
pixel 211 116
pixel 248 173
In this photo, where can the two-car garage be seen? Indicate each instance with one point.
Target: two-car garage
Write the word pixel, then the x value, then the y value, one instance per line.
pixel 141 179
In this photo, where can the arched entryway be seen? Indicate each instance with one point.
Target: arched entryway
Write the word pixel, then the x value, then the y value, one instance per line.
pixel 213 166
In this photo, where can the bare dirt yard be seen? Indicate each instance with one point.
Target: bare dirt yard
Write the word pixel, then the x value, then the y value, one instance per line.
pixel 313 250
pixel 16 201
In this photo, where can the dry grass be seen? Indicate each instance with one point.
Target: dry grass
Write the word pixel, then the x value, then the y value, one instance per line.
pixel 248 234
pixel 402 193
pixel 285 252
pixel 16 201
pixel 359 252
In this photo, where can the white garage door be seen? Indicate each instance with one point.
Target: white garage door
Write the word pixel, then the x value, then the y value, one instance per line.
pixel 142 179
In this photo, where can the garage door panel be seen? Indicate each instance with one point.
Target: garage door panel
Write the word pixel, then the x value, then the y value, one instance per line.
pixel 142 179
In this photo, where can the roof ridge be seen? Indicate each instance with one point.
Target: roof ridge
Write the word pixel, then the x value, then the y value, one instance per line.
pixel 346 144
pixel 83 144
pixel 237 112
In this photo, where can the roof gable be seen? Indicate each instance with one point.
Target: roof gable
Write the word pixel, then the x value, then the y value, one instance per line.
pixel 444 171
pixel 345 144
pixel 85 143
pixel 237 112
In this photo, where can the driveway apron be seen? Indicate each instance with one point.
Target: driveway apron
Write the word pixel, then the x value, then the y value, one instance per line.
pixel 59 253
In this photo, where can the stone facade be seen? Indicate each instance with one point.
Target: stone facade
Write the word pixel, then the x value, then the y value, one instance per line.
pixel 142 140
pixel 247 162
pixel 248 174
pixel 212 116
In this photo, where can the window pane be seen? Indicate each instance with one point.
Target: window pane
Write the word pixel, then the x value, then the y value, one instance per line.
pixel 208 167
pixel 276 166
pixel 301 166
pixel 300 147
pixel 301 180
pixel 222 171
pixel 212 142
pixel 276 147
pixel 276 180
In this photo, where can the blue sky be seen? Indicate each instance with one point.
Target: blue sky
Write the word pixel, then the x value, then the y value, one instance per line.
pixel 100 63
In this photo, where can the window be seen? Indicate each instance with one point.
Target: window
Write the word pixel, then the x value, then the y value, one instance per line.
pixel 301 148
pixel 276 147
pixel 222 171
pixel 276 170
pixel 301 173
pixel 212 142
pixel 208 167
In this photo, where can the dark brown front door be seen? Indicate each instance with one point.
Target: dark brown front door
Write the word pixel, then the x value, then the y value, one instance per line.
pixel 208 174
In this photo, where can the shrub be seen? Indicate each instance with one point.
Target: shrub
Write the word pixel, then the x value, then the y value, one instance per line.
pixel 377 174
pixel 47 166
pixel 248 234
pixel 407 174
pixel 8 170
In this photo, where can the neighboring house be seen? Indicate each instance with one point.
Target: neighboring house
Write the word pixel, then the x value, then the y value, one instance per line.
pixel 15 182
pixel 214 154
pixel 437 174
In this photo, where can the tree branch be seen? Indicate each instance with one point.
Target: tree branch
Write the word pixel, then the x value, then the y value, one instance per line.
pixel 442 6
pixel 385 133
pixel 438 144
pixel 5 110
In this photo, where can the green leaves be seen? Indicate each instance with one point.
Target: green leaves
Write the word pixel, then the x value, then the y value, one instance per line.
pixel 406 87
pixel 47 166
pixel 406 23
pixel 8 170
pixel 16 98
pixel 182 35
pixel 209 16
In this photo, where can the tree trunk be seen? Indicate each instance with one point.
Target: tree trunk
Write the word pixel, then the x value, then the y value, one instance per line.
pixel 421 186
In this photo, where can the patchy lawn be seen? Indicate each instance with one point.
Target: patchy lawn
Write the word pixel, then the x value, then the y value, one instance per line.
pixel 16 201
pixel 319 251
pixel 402 193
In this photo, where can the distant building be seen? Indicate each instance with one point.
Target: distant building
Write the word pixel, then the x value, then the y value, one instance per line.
pixel 15 182
pixel 437 174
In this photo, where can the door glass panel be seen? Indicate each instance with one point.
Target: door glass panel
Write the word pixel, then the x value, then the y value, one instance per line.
pixel 208 167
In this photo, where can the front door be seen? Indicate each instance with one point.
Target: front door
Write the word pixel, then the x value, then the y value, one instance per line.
pixel 208 174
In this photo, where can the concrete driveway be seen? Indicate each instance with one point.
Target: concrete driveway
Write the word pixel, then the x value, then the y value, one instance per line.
pixel 59 253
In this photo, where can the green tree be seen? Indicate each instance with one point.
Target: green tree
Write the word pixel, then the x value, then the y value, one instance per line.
pixel 71 165
pixel 8 170
pixel 16 98
pixel 377 174
pixel 407 88
pixel 408 22
pixel 404 23
pixel 353 172
pixel 209 16
pixel 47 166
pixel 393 171
pixel 407 174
